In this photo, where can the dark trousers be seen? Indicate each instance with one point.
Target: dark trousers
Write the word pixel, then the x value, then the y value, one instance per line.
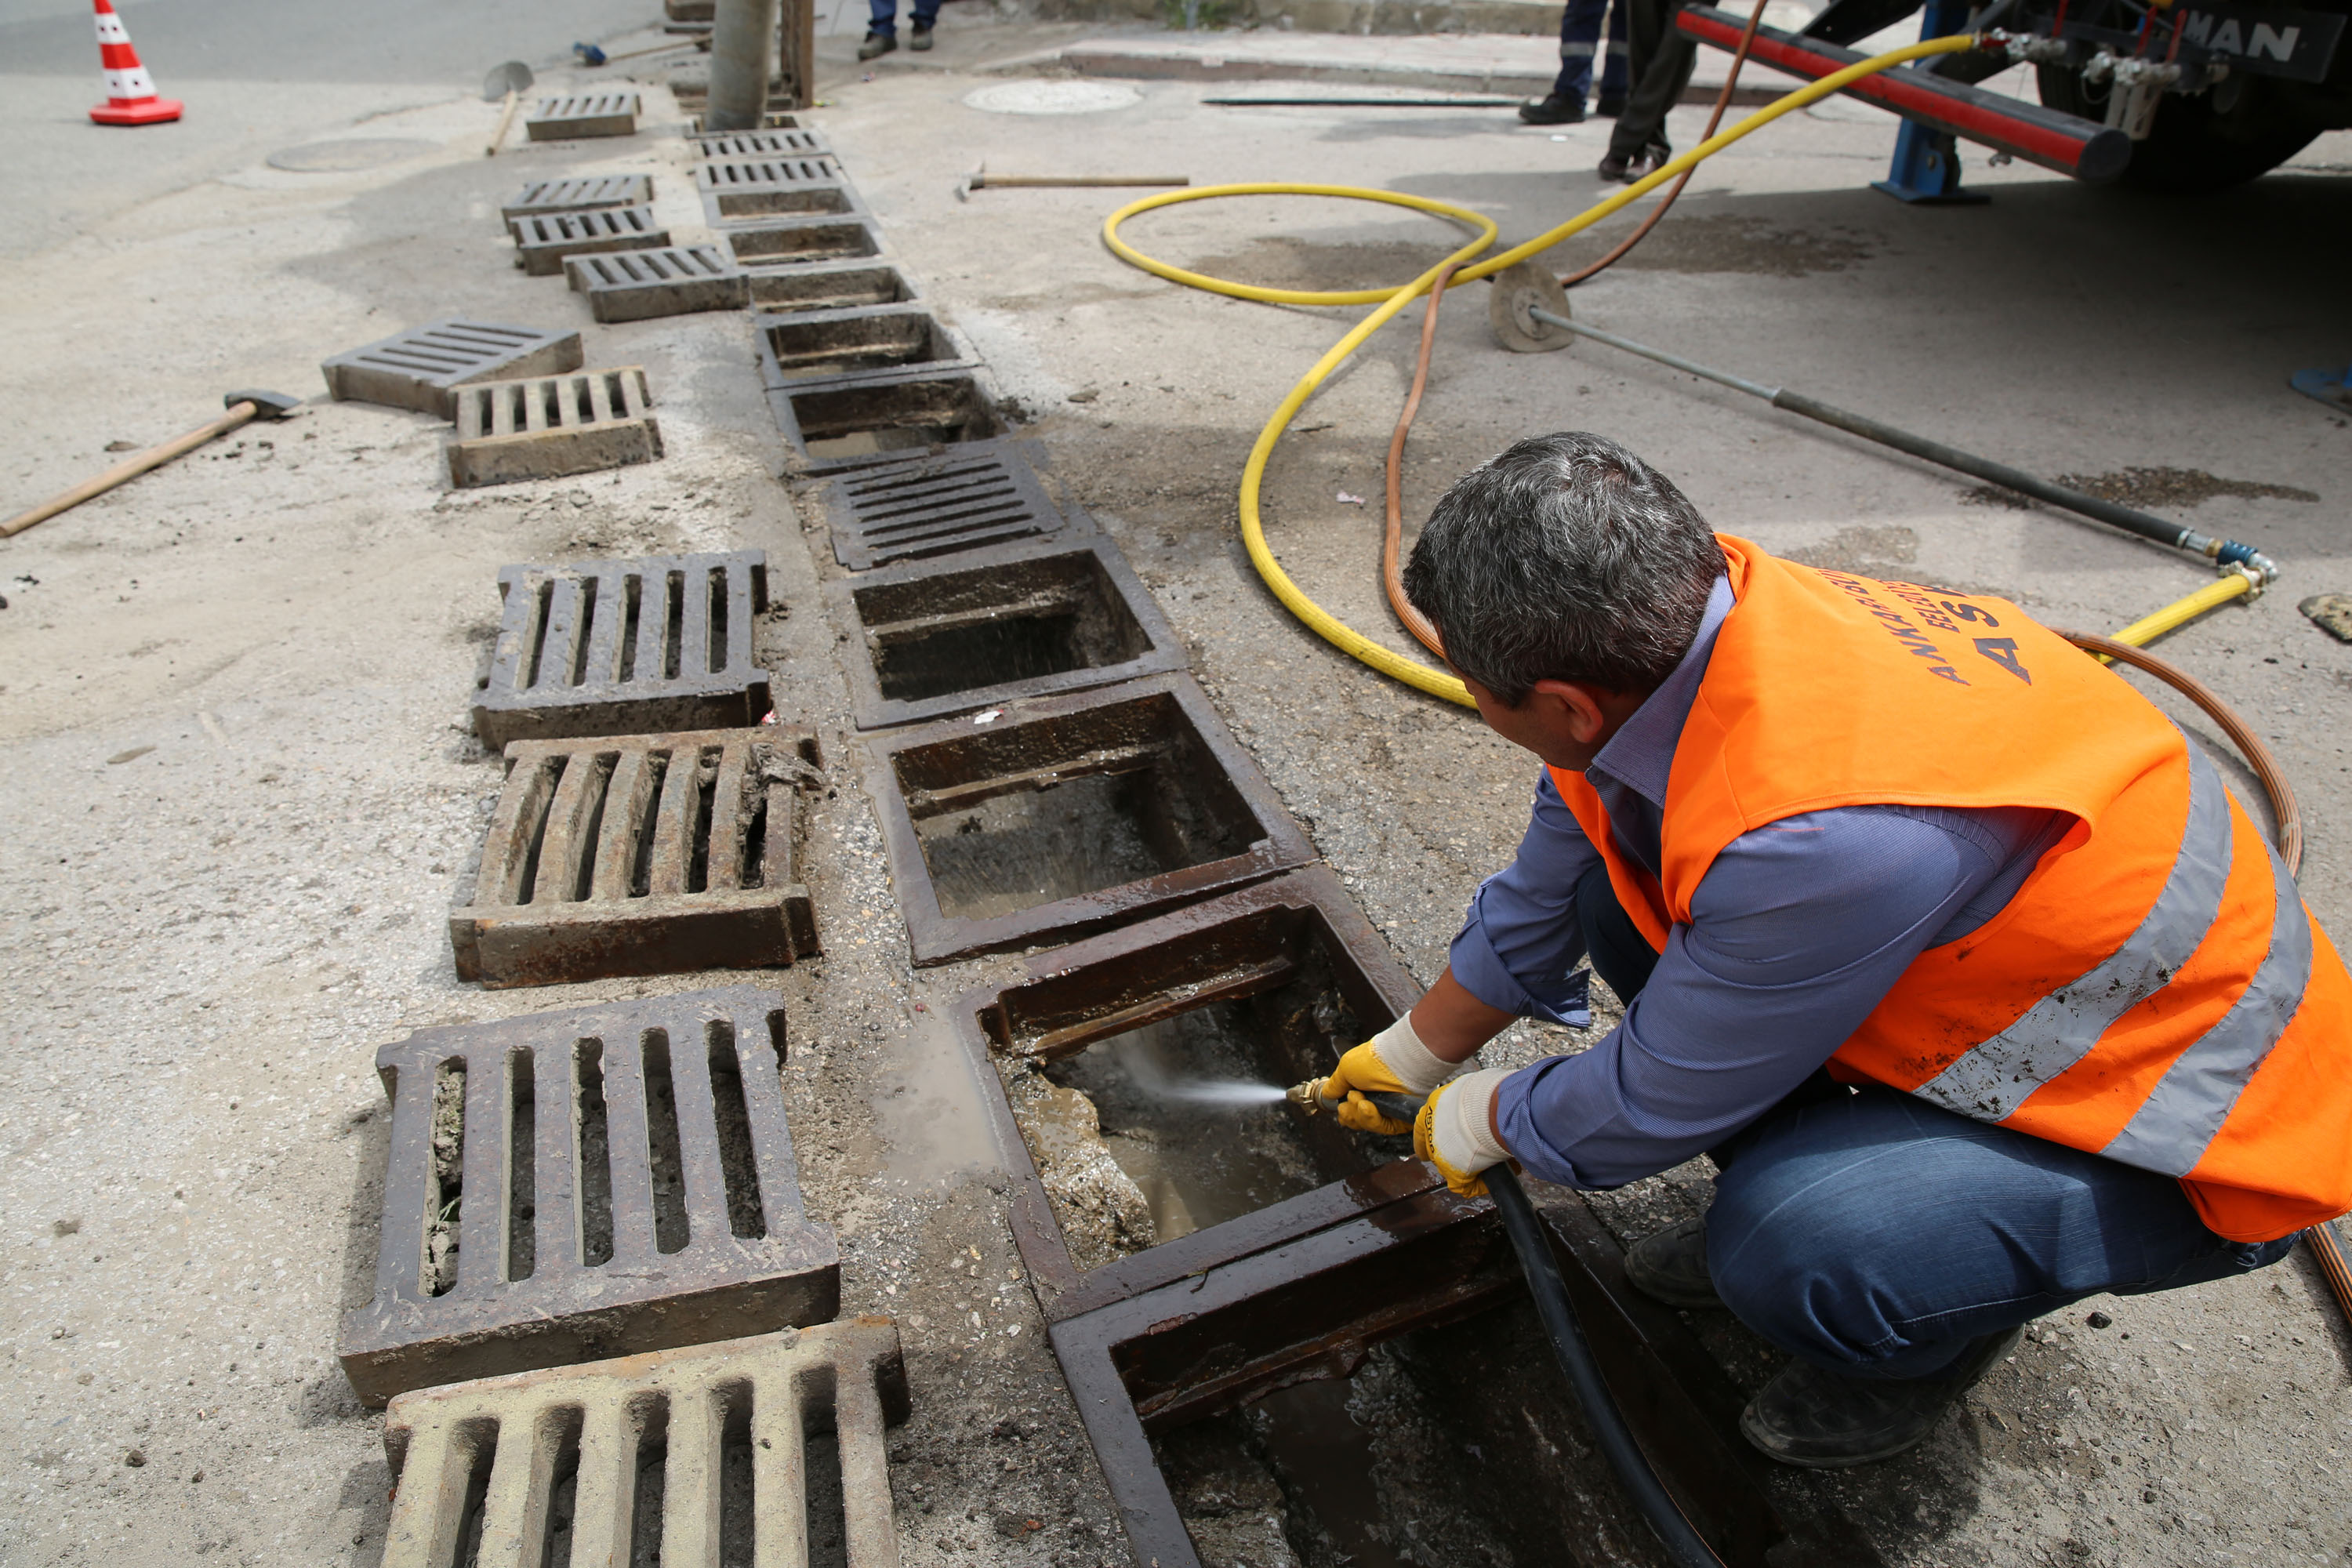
pixel 885 16
pixel 1579 38
pixel 1663 62
pixel 1875 1234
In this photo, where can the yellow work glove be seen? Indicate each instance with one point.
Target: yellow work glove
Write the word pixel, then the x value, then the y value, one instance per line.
pixel 1393 1061
pixel 1455 1132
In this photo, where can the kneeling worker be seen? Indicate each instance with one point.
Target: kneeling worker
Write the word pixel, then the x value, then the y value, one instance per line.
pixel 1959 961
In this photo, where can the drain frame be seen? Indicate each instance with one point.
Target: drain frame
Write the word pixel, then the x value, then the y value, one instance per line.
pixel 1083 578
pixel 1047 742
pixel 839 285
pixel 1226 948
pixel 855 342
pixel 573 619
pixel 970 495
pixel 716 1284
pixel 1312 1306
pixel 799 241
pixel 556 897
pixel 903 413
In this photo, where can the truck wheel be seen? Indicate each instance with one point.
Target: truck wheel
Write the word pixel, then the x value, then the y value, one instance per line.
pixel 2203 141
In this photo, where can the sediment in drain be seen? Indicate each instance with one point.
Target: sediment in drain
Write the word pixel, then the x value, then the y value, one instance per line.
pixel 1016 851
pixel 1101 1211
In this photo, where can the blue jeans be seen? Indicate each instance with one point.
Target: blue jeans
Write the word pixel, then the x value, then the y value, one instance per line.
pixel 885 14
pixel 1874 1234
pixel 1580 35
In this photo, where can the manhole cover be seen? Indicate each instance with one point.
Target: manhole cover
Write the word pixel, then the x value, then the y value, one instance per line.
pixel 361 153
pixel 1053 97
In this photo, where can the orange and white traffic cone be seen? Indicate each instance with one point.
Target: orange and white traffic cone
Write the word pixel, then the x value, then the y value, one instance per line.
pixel 129 91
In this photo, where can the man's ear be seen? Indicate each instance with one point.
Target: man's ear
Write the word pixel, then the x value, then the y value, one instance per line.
pixel 1575 706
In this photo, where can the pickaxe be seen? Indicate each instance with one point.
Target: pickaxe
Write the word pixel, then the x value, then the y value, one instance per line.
pixel 243 408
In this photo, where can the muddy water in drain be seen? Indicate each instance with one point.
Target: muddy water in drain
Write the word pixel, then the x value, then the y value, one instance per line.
pixel 1018 851
pixel 1196 1163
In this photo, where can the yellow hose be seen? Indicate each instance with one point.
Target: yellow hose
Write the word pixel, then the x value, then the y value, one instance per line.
pixel 1318 620
pixel 2182 611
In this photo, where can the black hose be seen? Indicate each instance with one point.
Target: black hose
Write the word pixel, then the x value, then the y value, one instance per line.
pixel 1568 1346
pixel 1632 1468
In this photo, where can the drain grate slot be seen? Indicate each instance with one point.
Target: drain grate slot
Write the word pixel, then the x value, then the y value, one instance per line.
pixel 581 194
pixel 641 855
pixel 682 1456
pixel 1069 814
pixel 1023 620
pixel 542 243
pixel 805 345
pixel 666 280
pixel 861 417
pixel 582 114
pixel 423 367
pixel 640 1246
pixel 912 510
pixel 790 240
pixel 631 657
pixel 547 427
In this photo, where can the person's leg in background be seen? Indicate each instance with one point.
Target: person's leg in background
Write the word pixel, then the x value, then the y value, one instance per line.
pixel 1896 1249
pixel 1580 35
pixel 881 29
pixel 924 15
pixel 1614 66
pixel 1661 61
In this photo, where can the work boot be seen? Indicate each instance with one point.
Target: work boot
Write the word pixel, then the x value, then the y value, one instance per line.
pixel 1670 1265
pixel 922 39
pixel 1613 165
pixel 1824 1420
pixel 876 45
pixel 1553 109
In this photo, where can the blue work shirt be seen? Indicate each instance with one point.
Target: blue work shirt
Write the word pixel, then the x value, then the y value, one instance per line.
pixel 1796 931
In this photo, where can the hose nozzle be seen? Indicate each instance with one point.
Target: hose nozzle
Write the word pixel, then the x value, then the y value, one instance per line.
pixel 1307 1096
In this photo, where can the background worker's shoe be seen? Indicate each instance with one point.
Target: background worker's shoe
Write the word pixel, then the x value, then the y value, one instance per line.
pixel 1552 110
pixel 922 39
pixel 1824 1420
pixel 876 45
pixel 1670 1265
pixel 1613 165
pixel 1648 162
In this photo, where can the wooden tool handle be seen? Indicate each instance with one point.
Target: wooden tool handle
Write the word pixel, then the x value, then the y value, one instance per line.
pixel 129 469
pixel 514 96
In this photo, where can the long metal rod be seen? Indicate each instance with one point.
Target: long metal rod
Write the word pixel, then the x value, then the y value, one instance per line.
pixel 2224 552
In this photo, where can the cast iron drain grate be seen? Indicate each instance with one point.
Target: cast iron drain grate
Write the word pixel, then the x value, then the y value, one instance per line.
pixel 938 504
pixel 670 280
pixel 643 854
pixel 582 114
pixel 422 367
pixel 1022 620
pixel 1060 816
pixel 542 243
pixel 602 647
pixel 593 1181
pixel 741 144
pixel 584 192
pixel 547 426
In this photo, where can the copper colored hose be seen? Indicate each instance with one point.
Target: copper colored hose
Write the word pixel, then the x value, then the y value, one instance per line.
pixel 1722 102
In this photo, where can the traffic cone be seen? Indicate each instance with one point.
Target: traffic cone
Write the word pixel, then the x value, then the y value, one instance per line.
pixel 129 91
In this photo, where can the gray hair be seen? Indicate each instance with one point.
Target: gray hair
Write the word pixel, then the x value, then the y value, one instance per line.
pixel 1565 558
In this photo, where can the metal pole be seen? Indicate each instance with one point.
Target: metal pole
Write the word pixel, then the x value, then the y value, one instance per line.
pixel 741 36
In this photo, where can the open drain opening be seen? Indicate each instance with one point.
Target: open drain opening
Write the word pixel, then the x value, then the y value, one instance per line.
pixel 991 625
pixel 809 240
pixel 1152 1132
pixel 1058 807
pixel 522 1167
pixel 592 1153
pixel 819 287
pixel 844 344
pixel 853 420
pixel 793 201
pixel 444 1181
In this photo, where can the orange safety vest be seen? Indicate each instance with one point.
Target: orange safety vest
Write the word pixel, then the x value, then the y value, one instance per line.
pixel 2156 991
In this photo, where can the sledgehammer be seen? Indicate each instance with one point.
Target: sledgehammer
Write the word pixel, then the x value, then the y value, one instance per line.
pixel 243 408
